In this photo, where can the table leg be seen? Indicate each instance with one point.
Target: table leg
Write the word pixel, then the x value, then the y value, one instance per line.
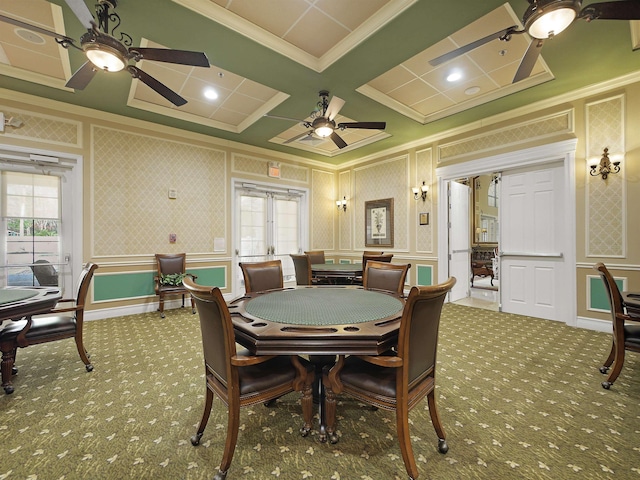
pixel 8 359
pixel 332 386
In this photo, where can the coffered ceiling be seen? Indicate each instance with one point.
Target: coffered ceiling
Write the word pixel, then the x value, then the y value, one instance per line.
pixel 272 57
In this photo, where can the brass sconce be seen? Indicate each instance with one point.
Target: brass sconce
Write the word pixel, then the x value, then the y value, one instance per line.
pixel 605 167
pixel 342 204
pixel 420 192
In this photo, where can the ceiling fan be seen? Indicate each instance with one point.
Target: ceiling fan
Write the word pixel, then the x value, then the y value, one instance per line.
pixel 105 52
pixel 545 19
pixel 323 123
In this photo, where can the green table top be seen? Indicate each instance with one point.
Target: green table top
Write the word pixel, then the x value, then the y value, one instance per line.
pixel 15 295
pixel 323 306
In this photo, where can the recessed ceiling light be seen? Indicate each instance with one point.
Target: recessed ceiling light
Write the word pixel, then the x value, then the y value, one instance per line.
pixel 472 90
pixel 210 93
pixel 454 76
pixel 29 36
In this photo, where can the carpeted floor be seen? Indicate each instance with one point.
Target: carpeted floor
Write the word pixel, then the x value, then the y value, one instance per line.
pixel 519 398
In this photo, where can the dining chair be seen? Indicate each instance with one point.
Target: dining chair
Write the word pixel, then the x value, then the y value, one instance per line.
pixel 238 378
pixel 60 323
pixel 398 380
pixel 316 256
pixel 626 336
pixel 45 273
pixel 261 276
pixel 302 267
pixel 172 268
pixel 385 276
pixel 382 257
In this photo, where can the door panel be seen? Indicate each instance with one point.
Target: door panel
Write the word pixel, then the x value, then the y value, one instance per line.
pixel 459 249
pixel 531 246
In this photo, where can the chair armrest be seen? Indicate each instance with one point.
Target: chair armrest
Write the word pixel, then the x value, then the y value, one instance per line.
pixel 193 277
pixel 382 360
pixel 245 361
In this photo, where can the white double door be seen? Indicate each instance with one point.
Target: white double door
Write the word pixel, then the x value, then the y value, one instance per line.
pixel 533 242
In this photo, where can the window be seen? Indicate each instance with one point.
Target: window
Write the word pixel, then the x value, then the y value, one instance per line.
pixel 493 192
pixel 31 217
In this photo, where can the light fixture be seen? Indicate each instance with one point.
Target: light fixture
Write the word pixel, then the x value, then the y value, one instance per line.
pixel 104 51
pixel 605 167
pixel 420 192
pixel 547 18
pixel 342 204
pixel 323 127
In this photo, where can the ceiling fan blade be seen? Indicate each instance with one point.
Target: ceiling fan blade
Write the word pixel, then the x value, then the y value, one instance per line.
pixel 629 10
pixel 369 125
pixel 298 137
pixel 529 60
pixel 337 139
pixel 334 107
pixel 33 28
pixel 473 45
pixel 82 76
pixel 82 12
pixel 156 85
pixel 182 57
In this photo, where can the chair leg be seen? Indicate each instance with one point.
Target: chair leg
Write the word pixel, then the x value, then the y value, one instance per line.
pixel 161 306
pixel 233 426
pixel 307 404
pixel 195 440
pixel 617 368
pixel 193 306
pixel 84 356
pixel 402 421
pixel 8 359
pixel 607 363
pixel 437 424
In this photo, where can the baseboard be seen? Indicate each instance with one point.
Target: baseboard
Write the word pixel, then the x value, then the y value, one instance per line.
pixel 595 324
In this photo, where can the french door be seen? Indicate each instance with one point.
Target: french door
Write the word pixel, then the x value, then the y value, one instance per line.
pixel 459 248
pixel 270 224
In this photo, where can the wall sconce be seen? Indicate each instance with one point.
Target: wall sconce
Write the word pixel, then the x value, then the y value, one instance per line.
pixel 605 167
pixel 420 192
pixel 342 204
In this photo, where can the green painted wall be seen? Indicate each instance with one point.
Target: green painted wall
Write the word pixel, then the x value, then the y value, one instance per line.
pixel 122 286
pixel 599 298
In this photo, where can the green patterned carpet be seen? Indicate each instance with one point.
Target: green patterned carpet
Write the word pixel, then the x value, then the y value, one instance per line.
pixel 519 398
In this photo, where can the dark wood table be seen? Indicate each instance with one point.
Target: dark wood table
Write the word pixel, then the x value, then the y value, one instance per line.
pixel 631 302
pixel 317 320
pixel 336 272
pixel 17 303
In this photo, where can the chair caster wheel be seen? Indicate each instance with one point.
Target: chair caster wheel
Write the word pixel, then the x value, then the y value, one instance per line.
pixel 442 446
pixel 604 370
pixel 606 385
pixel 14 371
pixel 195 440
pixel 89 368
pixel 220 475
pixel 8 389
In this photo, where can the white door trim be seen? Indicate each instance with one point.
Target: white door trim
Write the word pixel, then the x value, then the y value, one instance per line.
pixel 560 151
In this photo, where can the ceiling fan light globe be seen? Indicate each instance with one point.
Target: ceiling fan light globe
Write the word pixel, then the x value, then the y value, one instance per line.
pixel 549 18
pixel 324 131
pixel 104 51
pixel 105 60
pixel 323 127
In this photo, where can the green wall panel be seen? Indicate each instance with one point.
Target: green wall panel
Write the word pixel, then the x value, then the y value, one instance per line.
pixel 425 275
pixel 599 298
pixel 121 286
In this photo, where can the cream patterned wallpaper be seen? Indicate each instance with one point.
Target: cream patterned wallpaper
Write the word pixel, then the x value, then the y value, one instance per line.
pixel 259 166
pixel 605 202
pixel 513 135
pixel 424 233
pixel 344 218
pixel 323 198
pixel 386 179
pixel 132 214
pixel 42 128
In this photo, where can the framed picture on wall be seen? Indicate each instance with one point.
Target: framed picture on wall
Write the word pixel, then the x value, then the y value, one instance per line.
pixel 424 218
pixel 378 216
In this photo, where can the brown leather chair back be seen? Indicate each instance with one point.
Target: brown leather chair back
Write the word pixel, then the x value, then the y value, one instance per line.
pixel 260 276
pixel 302 266
pixel 385 257
pixel 418 336
pixel 316 257
pixel 171 263
pixel 385 276
pixel 218 341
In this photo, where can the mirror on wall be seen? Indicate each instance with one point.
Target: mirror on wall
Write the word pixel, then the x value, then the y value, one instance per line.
pixel 486 196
